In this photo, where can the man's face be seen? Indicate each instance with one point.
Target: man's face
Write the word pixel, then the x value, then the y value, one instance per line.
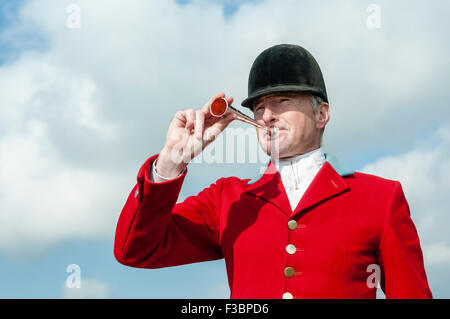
pixel 299 126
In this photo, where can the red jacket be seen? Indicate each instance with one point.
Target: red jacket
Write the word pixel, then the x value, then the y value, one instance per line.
pixel 345 223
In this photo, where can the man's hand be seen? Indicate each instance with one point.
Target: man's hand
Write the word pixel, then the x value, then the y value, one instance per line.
pixel 189 133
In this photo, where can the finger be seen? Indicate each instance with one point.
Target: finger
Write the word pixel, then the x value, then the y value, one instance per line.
pixel 190 119
pixel 205 108
pixel 179 120
pixel 230 100
pixel 220 125
pixel 199 124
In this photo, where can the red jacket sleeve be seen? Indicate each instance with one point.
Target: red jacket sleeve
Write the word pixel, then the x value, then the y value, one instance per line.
pixel 153 231
pixel 400 256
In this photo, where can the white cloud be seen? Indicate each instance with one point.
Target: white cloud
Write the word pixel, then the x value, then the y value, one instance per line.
pixel 425 176
pixel 45 200
pixel 437 254
pixel 89 289
pixel 46 197
pixel 220 291
pixel 79 117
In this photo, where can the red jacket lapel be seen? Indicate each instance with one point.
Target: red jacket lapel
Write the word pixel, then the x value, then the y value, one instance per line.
pixel 270 188
pixel 326 184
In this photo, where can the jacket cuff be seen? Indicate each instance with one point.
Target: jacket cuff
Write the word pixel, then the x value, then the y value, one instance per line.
pixel 145 184
pixel 155 177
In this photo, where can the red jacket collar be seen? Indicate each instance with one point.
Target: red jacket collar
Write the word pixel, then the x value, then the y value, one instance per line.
pixel 326 184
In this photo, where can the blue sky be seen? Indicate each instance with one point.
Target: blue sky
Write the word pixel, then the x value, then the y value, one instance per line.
pixel 44 277
pixel 229 6
pixel 29 40
pixel 8 9
pixel 89 105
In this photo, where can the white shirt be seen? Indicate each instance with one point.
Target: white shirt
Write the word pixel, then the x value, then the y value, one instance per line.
pixel 298 172
pixel 155 177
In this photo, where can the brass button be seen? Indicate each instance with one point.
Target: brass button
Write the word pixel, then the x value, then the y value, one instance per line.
pixel 292 224
pixel 288 295
pixel 291 249
pixel 289 272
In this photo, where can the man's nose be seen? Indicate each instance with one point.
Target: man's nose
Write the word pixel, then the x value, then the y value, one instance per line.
pixel 269 116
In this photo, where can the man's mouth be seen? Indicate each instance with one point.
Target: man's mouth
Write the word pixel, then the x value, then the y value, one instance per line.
pixel 274 132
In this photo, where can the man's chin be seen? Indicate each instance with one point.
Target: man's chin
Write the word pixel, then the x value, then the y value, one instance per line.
pixel 275 153
pixel 274 149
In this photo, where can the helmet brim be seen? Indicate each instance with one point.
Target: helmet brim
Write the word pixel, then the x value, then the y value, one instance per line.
pixel 248 102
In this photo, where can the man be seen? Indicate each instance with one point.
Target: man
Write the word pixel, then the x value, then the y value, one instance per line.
pixel 307 228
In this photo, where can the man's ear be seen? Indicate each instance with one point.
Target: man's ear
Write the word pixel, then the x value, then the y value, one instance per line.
pixel 322 115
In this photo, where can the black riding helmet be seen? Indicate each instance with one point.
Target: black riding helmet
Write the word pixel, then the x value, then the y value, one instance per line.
pixel 284 68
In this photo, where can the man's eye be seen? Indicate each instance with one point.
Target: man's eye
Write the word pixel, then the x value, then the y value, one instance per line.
pixel 259 109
